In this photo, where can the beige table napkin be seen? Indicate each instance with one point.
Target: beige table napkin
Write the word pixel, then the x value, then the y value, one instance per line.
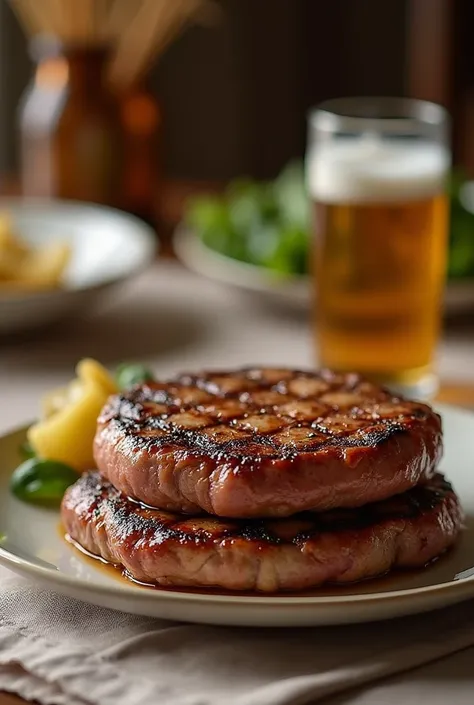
pixel 57 651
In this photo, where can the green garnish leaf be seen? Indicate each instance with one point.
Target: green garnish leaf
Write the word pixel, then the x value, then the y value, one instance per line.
pixel 43 482
pixel 129 374
pixel 26 450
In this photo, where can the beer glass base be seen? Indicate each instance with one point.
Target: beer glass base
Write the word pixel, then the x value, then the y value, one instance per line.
pixel 424 388
pixel 420 383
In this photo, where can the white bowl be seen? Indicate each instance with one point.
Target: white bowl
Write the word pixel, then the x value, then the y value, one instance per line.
pixel 108 246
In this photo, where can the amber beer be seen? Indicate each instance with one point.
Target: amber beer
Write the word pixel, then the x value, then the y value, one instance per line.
pixel 380 232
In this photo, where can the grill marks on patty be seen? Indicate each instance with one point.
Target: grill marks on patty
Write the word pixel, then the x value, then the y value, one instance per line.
pixel 265 442
pixel 272 412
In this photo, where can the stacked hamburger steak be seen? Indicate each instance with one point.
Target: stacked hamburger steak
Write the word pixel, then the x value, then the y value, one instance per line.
pixel 263 479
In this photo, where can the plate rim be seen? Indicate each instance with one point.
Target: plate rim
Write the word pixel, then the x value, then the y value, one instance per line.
pixel 460 588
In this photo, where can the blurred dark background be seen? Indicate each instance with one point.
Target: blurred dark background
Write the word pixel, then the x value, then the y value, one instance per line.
pixel 235 96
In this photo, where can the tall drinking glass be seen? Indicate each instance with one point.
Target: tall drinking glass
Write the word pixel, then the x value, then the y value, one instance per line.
pixel 376 175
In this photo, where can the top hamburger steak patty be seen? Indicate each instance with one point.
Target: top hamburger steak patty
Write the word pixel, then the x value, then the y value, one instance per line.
pixel 265 442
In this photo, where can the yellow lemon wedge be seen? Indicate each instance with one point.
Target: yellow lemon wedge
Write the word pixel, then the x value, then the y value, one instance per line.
pixel 66 431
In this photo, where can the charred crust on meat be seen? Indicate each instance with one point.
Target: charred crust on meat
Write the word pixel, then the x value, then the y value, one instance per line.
pixel 134 522
pixel 300 411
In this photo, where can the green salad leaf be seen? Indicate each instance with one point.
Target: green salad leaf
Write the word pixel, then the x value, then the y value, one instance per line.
pixel 461 236
pixel 262 223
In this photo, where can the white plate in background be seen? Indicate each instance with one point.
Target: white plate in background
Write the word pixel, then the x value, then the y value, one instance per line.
pixel 292 290
pixel 287 289
pixel 33 546
pixel 108 247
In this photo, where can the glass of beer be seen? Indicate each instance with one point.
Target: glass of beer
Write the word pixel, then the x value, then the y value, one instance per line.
pixel 376 174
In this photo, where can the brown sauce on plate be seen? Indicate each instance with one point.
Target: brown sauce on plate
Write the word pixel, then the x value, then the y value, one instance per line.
pixel 383 583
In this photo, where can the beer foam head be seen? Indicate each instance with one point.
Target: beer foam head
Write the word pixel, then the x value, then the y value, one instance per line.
pixel 369 169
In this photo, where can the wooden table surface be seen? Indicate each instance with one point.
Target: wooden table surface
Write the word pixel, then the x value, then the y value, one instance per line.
pixel 457 394
pixel 6 699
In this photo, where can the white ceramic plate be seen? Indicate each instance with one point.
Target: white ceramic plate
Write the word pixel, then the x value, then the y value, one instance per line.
pixel 289 290
pixel 108 246
pixel 32 545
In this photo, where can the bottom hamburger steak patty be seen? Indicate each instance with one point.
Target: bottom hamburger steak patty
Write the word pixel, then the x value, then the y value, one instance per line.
pixel 267 555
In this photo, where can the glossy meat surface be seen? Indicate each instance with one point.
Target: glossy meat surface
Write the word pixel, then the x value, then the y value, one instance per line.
pixel 265 442
pixel 267 555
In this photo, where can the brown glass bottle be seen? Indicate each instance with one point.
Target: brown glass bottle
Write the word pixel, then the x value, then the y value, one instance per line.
pixel 71 141
pixel 141 120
